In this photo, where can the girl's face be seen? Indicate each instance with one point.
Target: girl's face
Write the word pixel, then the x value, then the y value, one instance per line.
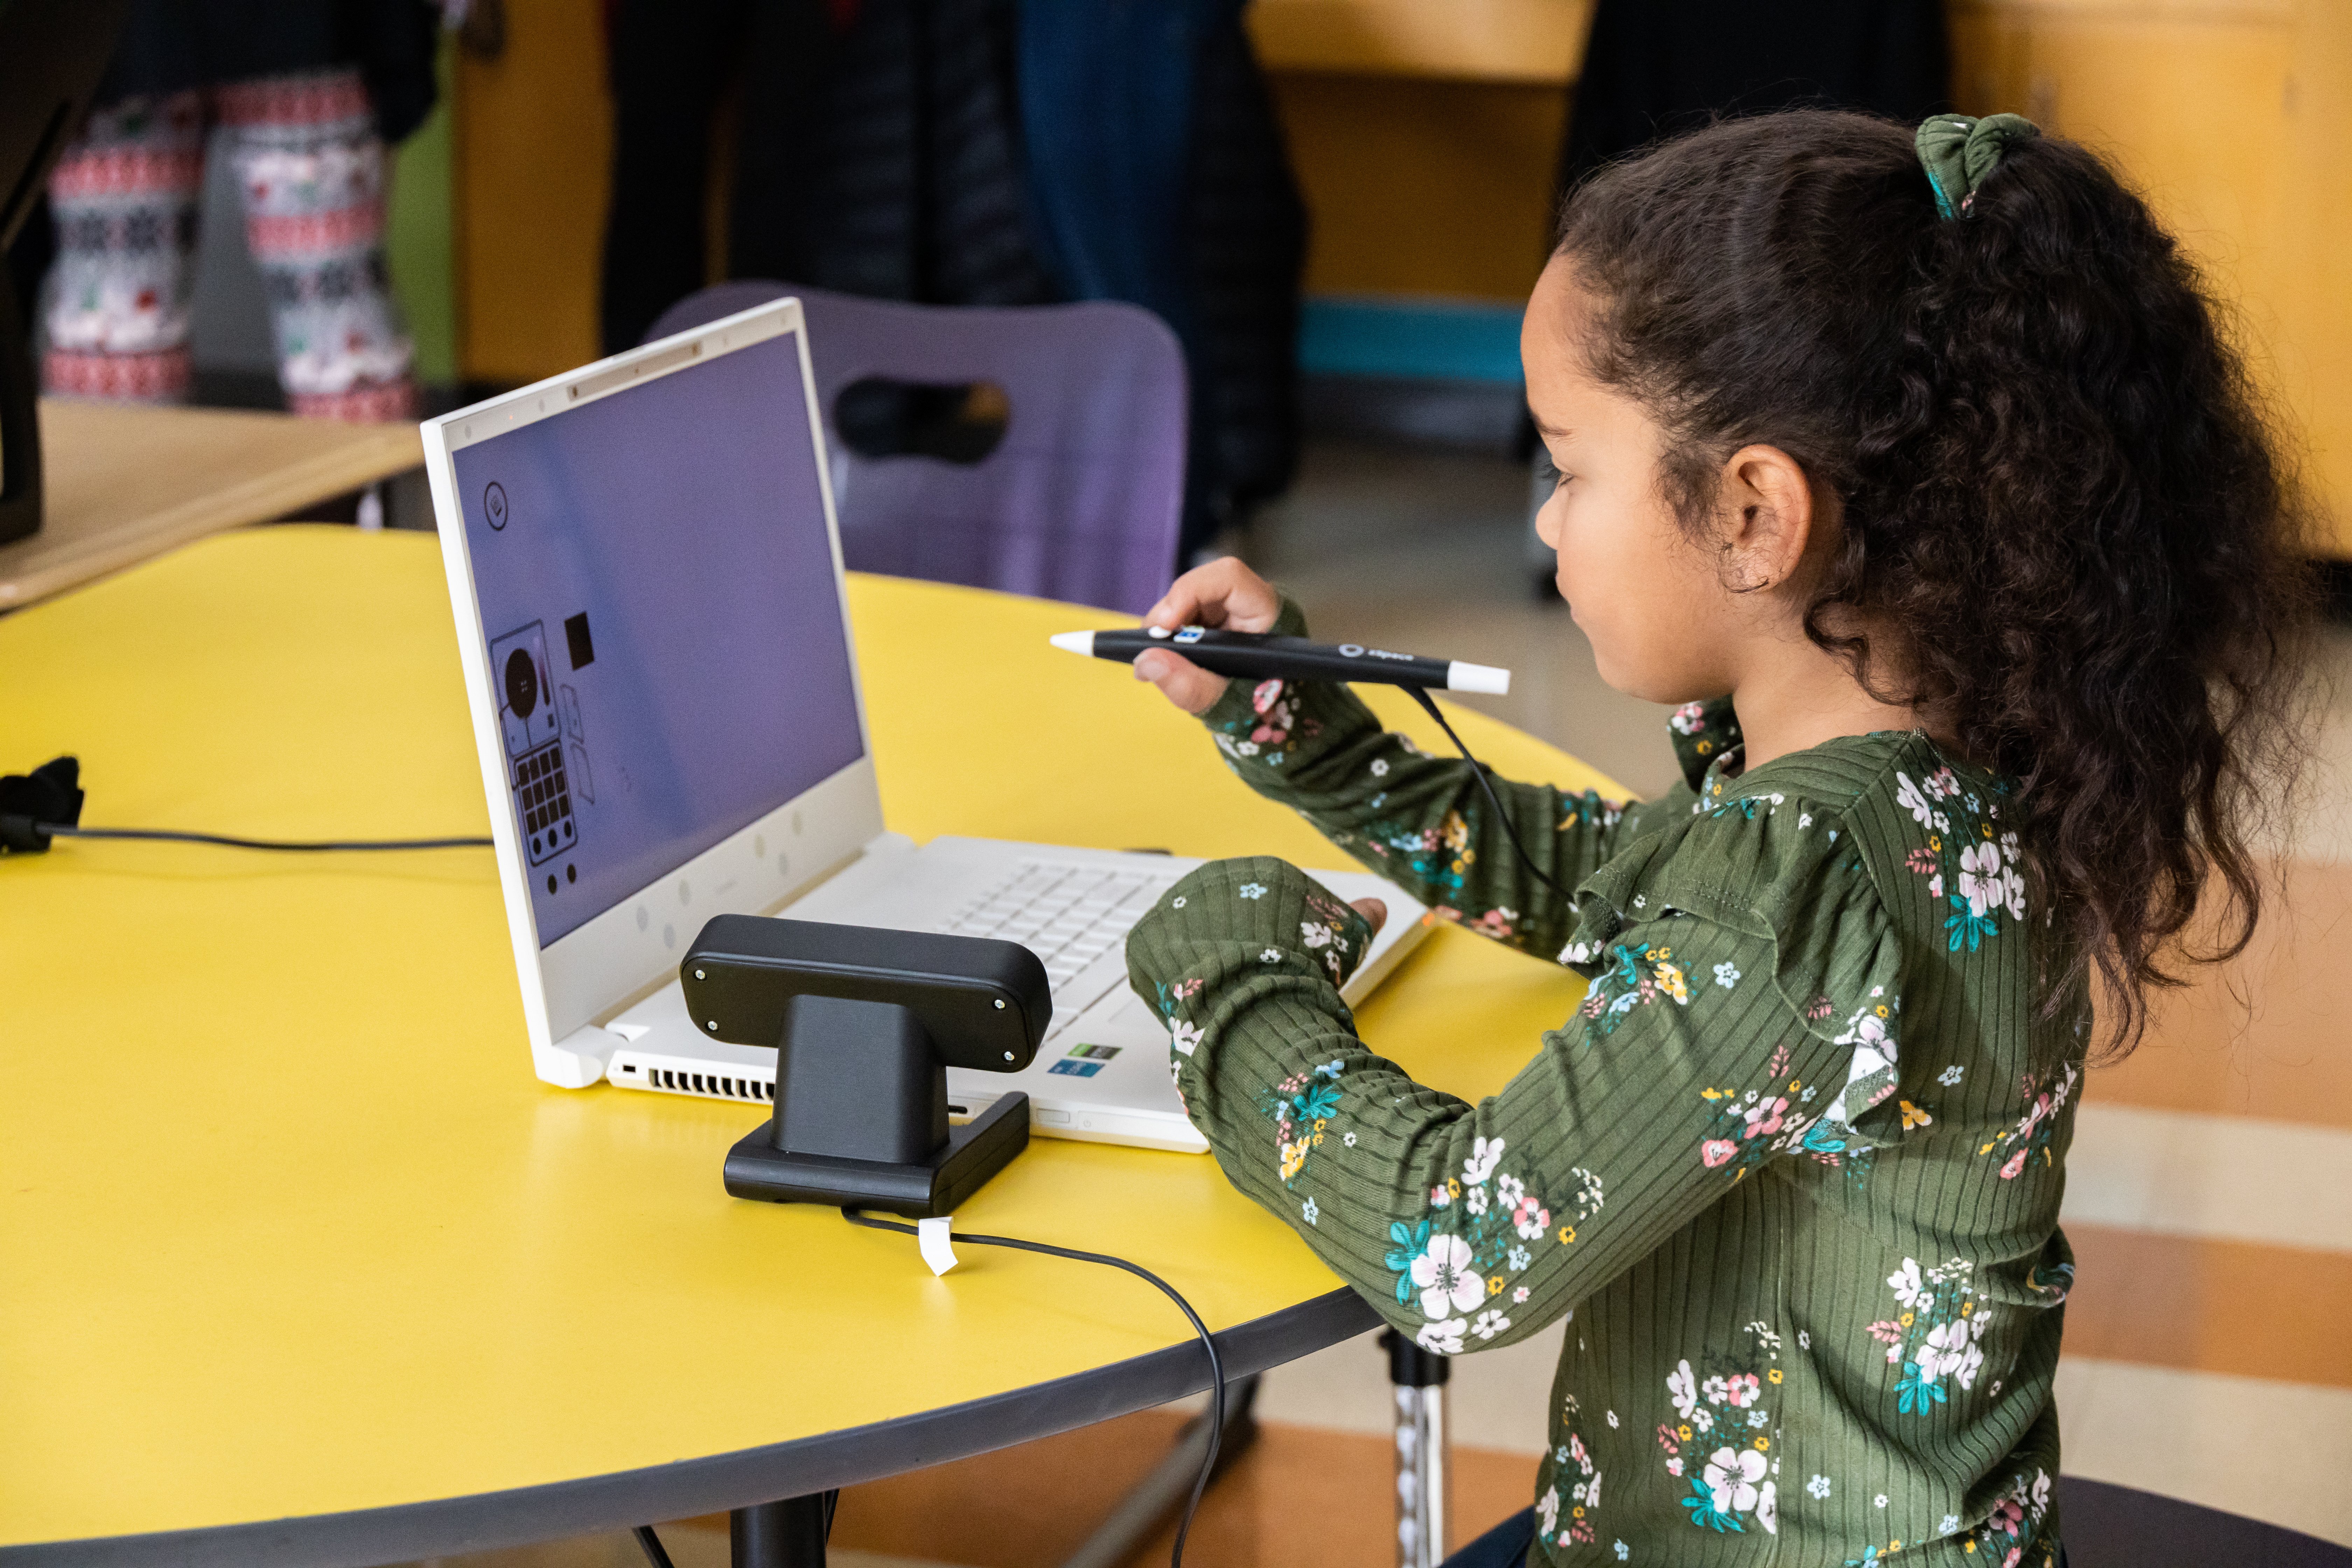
pixel 1654 605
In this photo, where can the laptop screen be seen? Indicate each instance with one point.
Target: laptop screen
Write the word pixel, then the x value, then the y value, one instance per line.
pixel 666 638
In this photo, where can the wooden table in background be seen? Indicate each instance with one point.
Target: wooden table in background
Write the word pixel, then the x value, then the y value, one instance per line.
pixel 126 482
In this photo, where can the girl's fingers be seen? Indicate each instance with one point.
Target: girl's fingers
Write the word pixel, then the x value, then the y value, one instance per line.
pixel 1224 593
pixel 1181 680
pixel 1374 912
pixel 1180 607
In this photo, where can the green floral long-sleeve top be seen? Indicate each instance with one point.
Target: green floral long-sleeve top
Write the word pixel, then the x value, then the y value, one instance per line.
pixel 1792 1171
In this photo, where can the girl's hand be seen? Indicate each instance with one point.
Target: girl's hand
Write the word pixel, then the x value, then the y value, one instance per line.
pixel 1222 594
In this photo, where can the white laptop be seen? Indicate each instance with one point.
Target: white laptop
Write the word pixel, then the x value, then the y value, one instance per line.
pixel 648 585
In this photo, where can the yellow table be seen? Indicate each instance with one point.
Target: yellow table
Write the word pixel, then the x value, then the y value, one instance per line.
pixel 300 1263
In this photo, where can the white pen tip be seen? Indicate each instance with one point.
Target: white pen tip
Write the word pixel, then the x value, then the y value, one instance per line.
pixel 1486 678
pixel 1079 643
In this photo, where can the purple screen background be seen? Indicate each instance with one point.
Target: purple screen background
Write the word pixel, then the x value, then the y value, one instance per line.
pixel 684 518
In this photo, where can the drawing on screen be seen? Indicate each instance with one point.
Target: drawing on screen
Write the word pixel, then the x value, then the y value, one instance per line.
pixel 582 779
pixel 534 719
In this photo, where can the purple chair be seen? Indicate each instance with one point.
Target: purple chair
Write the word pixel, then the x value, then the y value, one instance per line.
pixel 1080 498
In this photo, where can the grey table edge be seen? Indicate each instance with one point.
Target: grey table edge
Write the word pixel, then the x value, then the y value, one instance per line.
pixel 487 1520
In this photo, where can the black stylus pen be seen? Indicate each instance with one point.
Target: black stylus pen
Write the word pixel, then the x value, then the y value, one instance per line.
pixel 1261 656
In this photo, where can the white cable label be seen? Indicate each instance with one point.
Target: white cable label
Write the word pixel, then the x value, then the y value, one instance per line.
pixel 932 1235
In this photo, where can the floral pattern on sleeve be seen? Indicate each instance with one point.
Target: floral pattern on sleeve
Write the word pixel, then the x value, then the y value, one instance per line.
pixel 1275 722
pixel 2046 1095
pixel 1753 1126
pixel 1483 1230
pixel 1720 1441
pixel 1440 856
pixel 1637 975
pixel 1183 1035
pixel 1326 936
pixel 1302 1107
pixel 1591 809
pixel 1424 821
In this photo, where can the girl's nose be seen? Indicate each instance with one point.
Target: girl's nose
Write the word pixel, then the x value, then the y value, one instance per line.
pixel 1546 528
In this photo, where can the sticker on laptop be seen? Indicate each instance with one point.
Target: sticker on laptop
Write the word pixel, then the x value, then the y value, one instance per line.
pixel 1070 1068
pixel 1097 1053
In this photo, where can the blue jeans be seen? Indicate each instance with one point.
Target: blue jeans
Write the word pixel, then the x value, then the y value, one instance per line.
pixel 1504 1546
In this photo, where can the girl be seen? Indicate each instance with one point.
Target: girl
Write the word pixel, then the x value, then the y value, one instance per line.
pixel 1917 471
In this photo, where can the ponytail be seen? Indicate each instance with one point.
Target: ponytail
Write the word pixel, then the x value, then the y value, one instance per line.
pixel 2058 482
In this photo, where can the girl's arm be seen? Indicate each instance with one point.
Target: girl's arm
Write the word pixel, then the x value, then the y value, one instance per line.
pixel 1422 822
pixel 1475 1224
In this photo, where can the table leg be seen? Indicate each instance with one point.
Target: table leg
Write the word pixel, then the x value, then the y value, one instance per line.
pixel 787 1534
pixel 1417 1384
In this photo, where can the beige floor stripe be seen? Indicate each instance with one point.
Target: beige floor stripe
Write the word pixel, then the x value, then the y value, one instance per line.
pixel 2225 1178
pixel 2269 1450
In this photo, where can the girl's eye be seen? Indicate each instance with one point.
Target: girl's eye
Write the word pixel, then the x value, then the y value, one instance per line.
pixel 1561 482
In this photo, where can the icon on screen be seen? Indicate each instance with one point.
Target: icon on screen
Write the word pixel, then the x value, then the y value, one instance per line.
pixel 530 717
pixel 494 504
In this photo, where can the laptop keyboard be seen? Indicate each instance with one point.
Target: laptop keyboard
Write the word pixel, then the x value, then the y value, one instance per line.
pixel 1069 916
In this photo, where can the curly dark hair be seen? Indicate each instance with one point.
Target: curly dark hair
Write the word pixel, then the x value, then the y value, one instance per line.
pixel 2060 488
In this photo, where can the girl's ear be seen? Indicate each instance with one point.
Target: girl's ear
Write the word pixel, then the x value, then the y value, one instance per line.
pixel 1766 516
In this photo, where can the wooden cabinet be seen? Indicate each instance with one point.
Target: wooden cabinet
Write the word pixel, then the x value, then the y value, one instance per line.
pixel 1416 186
pixel 1425 137
pixel 2231 116
pixel 529 179
pixel 1536 43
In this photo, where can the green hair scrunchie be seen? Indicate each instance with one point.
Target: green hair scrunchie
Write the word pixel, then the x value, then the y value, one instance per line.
pixel 1959 152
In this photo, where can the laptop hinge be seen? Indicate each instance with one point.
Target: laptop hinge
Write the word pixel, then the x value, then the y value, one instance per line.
pixel 578 1059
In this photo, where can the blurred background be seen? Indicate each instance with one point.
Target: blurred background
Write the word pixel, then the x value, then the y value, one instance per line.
pixel 1339 206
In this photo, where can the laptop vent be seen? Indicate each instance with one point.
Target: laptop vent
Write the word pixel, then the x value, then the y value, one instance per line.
pixel 717 1088
pixel 710 1084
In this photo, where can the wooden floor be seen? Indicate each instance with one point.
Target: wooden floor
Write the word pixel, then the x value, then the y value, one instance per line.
pixel 1298 1495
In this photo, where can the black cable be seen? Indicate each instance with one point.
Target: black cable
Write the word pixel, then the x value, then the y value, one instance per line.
pixel 64 830
pixel 653 1546
pixel 1420 695
pixel 1216 1364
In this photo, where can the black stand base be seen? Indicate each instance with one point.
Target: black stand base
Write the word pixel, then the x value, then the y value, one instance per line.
pixel 756 1168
